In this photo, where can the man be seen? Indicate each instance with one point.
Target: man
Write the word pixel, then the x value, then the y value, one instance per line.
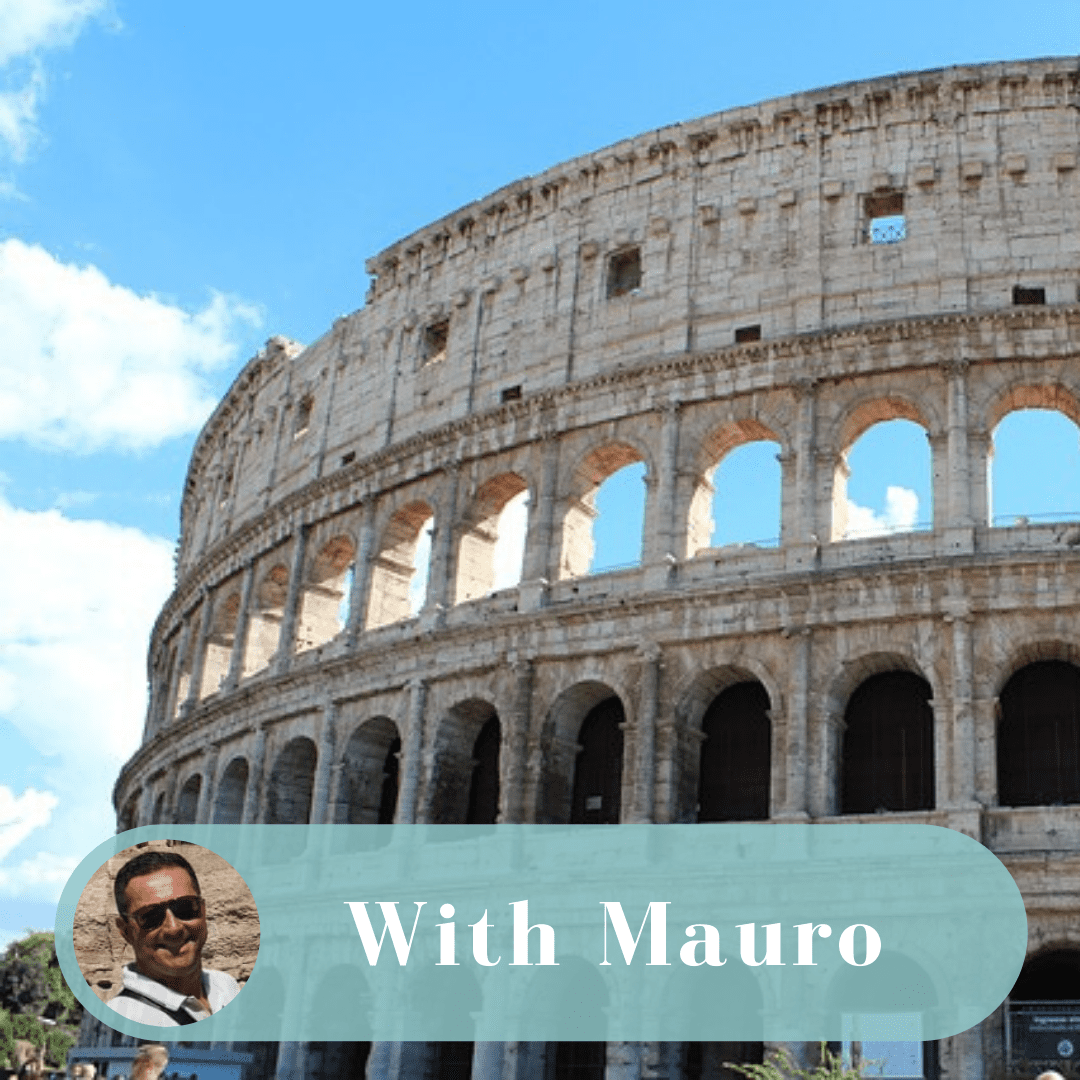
pixel 163 918
pixel 149 1062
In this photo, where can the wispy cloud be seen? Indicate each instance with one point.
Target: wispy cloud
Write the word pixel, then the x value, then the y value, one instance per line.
pixel 29 28
pixel 901 514
pixel 88 364
pixel 79 600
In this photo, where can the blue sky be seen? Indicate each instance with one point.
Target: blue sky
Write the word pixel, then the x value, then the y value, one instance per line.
pixel 180 181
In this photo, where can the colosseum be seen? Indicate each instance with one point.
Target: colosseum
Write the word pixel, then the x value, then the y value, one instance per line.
pixel 796 273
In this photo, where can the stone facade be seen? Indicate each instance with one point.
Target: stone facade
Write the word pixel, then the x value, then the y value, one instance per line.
pixel 662 301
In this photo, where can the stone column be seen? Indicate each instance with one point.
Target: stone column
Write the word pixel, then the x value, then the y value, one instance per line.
pixel 256 766
pixel 524 1060
pixel 146 803
pixel 199 657
pixel 206 793
pixel 183 651
pixel 320 793
pixel 168 813
pixel 513 750
pixel 801 536
pixel 980 452
pixel 645 736
pixel 667 755
pixel 962 742
pixel 969 1053
pixel 361 586
pixel 291 614
pixel 541 542
pixel 410 756
pixel 624 1061
pixel 487 1062
pixel 660 540
pixel 958 519
pixel 984 725
pixel 442 566
pixel 236 657
pixel 825 736
pixel 796 749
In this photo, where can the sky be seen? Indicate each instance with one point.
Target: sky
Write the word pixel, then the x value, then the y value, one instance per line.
pixel 179 182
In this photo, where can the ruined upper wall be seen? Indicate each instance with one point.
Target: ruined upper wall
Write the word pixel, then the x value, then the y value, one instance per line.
pixel 756 217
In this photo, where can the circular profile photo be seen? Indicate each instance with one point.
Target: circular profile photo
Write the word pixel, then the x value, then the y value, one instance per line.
pixel 166 933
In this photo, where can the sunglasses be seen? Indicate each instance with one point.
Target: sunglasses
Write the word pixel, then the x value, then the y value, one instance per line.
pixel 185 908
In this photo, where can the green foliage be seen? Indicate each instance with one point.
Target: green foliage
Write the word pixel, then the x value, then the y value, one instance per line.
pixel 781 1067
pixel 32 989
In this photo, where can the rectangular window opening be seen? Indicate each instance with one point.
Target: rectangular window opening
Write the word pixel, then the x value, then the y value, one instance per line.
pixel 885 220
pixel 436 336
pixel 747 333
pixel 511 393
pixel 349 458
pixel 624 272
pixel 1025 295
pixel 303 416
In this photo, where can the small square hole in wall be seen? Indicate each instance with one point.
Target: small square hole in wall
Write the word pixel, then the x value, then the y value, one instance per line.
pixel 885 221
pixel 624 272
pixel 511 393
pixel 1025 295
pixel 349 458
pixel 303 416
pixel 436 335
pixel 747 333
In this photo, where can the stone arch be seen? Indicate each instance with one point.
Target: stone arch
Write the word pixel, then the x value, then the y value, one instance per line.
pixel 1038 735
pixel 187 801
pixel 721 441
pixel 219 643
pixel 466 771
pixel 853 425
pixel 829 731
pixel 292 781
pixel 129 816
pixel 572 979
pixel 368 787
pixel 1050 974
pixel 693 996
pixel 264 622
pixel 887 745
pixel 1051 396
pixel 594 468
pixel 159 810
pixel 326 587
pixel 231 793
pixel 480 535
pixel 393 569
pixel 559 739
pixel 1052 404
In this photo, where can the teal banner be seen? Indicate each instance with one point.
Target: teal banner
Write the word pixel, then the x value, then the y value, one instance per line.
pixel 584 932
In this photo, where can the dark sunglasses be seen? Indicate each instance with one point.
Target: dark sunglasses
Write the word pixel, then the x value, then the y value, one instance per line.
pixel 185 908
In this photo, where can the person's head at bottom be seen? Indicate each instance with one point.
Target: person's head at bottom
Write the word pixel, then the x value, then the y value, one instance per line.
pixel 150 1062
pixel 1051 1075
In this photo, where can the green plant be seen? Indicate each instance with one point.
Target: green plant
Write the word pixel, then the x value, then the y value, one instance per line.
pixel 781 1067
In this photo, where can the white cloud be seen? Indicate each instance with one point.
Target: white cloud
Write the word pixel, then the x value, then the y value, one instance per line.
pixel 21 814
pixel 901 514
pixel 87 364
pixel 27 29
pixel 79 600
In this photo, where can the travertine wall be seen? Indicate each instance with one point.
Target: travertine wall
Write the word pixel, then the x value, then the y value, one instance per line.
pixel 312 481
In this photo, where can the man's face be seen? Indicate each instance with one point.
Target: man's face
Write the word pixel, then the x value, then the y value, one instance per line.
pixel 172 950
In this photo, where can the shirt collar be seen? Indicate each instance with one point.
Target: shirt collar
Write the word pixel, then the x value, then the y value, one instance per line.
pixel 134 979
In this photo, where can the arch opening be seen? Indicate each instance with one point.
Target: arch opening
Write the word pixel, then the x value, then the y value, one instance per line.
pixel 231 793
pixel 605 518
pixel 883 481
pixel 887 757
pixel 1038 744
pixel 187 802
pixel 491 551
pixel 597 789
pixel 219 644
pixel 399 572
pixel 735 762
pixel 264 622
pixel 325 596
pixel 465 782
pixel 1033 468
pixel 367 790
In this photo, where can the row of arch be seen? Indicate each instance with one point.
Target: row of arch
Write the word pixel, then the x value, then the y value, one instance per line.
pixel 886 759
pixel 367 577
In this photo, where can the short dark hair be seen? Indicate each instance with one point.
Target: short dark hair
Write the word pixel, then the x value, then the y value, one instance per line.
pixel 144 864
